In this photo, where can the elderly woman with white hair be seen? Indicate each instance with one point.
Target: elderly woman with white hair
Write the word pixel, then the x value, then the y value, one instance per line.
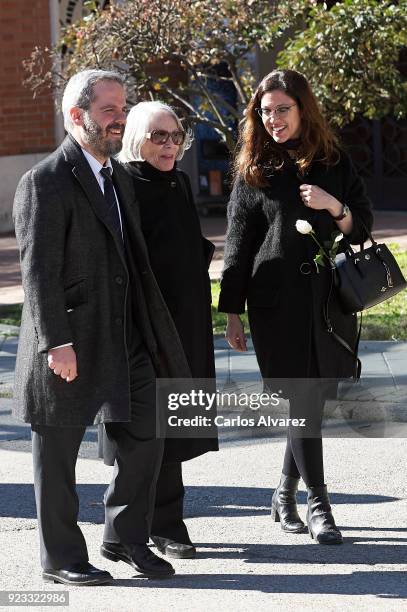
pixel 154 140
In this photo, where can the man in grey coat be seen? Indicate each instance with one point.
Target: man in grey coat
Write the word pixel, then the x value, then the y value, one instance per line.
pixel 95 333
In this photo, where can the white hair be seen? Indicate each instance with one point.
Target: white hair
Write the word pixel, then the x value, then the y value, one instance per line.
pixel 79 91
pixel 138 124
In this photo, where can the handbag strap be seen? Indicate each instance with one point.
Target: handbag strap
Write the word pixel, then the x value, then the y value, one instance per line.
pixel 369 233
pixel 362 244
pixel 338 338
pixel 328 322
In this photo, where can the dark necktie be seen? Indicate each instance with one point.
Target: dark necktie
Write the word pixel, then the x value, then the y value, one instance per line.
pixel 112 209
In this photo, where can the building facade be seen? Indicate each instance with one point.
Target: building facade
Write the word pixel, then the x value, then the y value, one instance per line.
pixel 27 126
pixel 31 128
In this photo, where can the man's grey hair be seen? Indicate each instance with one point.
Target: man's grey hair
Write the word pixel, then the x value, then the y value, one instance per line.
pixel 139 121
pixel 79 91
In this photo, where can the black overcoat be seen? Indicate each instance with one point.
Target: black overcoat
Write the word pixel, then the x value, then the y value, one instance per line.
pixel 263 256
pixel 178 257
pixel 76 280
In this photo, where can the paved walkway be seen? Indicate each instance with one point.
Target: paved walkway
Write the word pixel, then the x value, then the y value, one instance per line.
pixel 245 562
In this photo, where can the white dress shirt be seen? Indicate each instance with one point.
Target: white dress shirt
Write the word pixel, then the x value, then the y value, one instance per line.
pixel 96 167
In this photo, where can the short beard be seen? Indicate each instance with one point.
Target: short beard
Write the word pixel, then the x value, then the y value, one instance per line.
pixel 94 137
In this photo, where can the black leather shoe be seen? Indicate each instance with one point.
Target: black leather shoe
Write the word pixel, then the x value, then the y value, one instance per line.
pixel 176 550
pixel 321 523
pixel 78 574
pixel 138 556
pixel 284 505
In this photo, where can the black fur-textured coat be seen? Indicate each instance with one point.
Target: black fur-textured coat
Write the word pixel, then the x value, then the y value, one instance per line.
pixel 263 256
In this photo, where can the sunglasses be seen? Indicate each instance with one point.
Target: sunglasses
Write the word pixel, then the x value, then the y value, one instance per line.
pixel 160 137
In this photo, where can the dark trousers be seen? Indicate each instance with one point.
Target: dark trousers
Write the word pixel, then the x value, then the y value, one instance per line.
pixel 130 497
pixel 169 504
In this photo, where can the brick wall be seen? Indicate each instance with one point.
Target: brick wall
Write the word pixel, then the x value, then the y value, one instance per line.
pixel 26 125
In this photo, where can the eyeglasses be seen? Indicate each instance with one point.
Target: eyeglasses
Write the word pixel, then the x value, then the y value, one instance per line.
pixel 160 137
pixel 279 111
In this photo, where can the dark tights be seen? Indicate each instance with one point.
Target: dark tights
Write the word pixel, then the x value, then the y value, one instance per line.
pixel 304 456
pixel 303 453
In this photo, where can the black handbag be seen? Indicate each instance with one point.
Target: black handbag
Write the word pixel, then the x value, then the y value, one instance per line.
pixel 362 280
pixel 366 278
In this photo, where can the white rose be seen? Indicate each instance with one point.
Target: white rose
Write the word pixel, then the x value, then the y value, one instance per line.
pixel 303 226
pixel 339 238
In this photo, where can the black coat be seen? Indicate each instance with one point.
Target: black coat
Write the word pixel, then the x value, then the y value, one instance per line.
pixel 179 259
pixel 263 255
pixel 76 279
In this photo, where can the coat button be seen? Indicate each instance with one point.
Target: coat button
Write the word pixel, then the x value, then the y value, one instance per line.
pixel 118 321
pixel 119 280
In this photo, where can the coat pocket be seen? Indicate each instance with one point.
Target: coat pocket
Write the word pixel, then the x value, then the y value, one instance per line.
pixel 76 294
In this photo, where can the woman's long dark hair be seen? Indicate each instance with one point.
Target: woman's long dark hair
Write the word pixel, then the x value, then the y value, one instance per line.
pixel 258 152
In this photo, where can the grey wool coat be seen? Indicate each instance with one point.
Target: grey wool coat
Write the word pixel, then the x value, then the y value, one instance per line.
pixel 263 256
pixel 76 280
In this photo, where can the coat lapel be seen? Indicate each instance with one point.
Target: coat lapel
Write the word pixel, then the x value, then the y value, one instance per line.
pixel 123 185
pixel 84 175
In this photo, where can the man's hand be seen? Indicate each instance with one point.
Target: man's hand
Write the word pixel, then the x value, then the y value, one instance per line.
pixel 235 333
pixel 63 362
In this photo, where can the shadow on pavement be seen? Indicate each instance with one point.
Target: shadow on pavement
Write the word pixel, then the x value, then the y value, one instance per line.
pixel 350 552
pixel 17 501
pixel 386 585
pixel 244 501
pixel 14 432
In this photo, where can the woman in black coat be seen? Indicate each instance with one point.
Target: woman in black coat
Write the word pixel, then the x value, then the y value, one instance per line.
pixel 153 140
pixel 289 168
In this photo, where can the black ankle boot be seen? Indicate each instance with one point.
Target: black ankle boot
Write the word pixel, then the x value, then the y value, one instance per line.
pixel 320 521
pixel 284 505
